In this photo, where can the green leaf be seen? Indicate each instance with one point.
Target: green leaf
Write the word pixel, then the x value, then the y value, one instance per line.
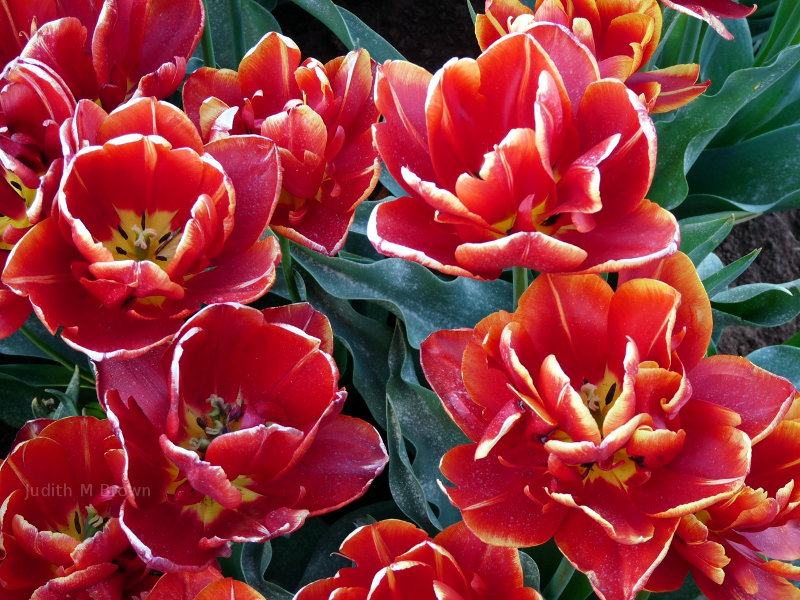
pixel 20 344
pixel 368 342
pixel 720 57
pixel 324 561
pixel 760 304
pixel 530 572
pixel 764 170
pixel 256 20
pixel 781 360
pixel 776 107
pixel 416 413
pixel 682 139
pixel 254 560
pixel 68 399
pixel 363 37
pixel 473 15
pixel 36 375
pixel 414 294
pixel 328 14
pixel 15 403
pixel 406 489
pixel 700 235
pixel 720 279
pixel 783 32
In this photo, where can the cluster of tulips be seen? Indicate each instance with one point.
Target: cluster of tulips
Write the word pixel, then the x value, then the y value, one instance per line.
pixel 141 233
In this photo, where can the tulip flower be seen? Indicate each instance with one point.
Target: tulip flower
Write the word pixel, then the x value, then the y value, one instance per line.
pixel 724 546
pixel 55 53
pixel 59 525
pixel 150 225
pixel 233 433
pixel 594 416
pixel 319 115
pixel 544 167
pixel 622 36
pixel 207 584
pixel 712 11
pixel 395 559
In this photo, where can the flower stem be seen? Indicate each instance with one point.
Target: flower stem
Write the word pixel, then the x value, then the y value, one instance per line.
pixel 53 354
pixel 237 26
pixel 558 582
pixel 206 43
pixel 288 271
pixel 520 279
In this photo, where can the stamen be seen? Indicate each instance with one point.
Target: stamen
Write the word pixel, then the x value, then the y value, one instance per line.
pixel 16 185
pixel 120 251
pixel 162 258
pixel 77 522
pixel 122 232
pixel 166 237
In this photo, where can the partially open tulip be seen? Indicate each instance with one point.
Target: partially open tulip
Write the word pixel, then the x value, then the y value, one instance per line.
pixel 544 167
pixel 319 115
pixel 395 559
pixel 233 433
pixel 59 528
pixel 595 419
pixel 150 225
pixel 622 36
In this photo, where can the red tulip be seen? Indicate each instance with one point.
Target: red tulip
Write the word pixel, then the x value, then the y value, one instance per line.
pixel 59 525
pixel 711 11
pixel 320 117
pixel 233 433
pixel 150 225
pixel 593 415
pixel 394 559
pixel 207 584
pixel 544 167
pixel 621 35
pixel 724 546
pixel 56 52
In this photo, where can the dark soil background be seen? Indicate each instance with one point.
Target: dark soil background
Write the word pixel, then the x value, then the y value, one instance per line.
pixel 429 33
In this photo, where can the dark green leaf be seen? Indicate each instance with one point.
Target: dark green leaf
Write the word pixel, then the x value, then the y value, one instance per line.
pixel 256 20
pixel 760 304
pixel 36 375
pixel 21 344
pixel 700 235
pixel 324 560
pixel 722 278
pixel 530 572
pixel 682 139
pixel 773 109
pixel 15 403
pixel 421 299
pixel 781 360
pixel 406 489
pixel 417 414
pixel 720 57
pixel 363 37
pixel 473 15
pixel 784 31
pixel 328 14
pixel 366 339
pixel 68 400
pixel 764 170
pixel 688 591
pixel 255 559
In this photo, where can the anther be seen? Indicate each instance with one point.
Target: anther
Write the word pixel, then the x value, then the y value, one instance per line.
pixel 122 232
pixel 120 251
